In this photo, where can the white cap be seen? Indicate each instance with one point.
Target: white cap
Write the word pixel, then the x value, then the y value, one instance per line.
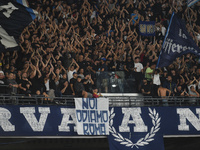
pixel 1 72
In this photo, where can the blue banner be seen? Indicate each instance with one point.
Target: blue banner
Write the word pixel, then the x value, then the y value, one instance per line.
pixel 177 42
pixel 15 15
pixel 143 127
pixel 191 2
pixel 132 123
pixel 147 28
pixel 37 121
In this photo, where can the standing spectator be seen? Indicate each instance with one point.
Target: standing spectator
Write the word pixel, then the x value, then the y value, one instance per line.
pixel 88 83
pixel 64 85
pixel 138 73
pixel 156 82
pixel 163 93
pixel 146 88
pixel 104 75
pixel 12 84
pixel 23 83
pixel 71 69
pixel 129 67
pixel 2 83
pixel 149 73
pixel 193 93
pixel 72 83
pixel 169 84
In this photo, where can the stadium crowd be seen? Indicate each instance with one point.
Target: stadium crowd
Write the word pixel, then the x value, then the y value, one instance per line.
pixel 70 41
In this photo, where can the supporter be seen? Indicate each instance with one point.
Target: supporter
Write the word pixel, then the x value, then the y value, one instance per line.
pixel 95 93
pixel 138 72
pixel 156 82
pixel 164 93
pixel 149 72
pixel 49 81
pixel 146 88
pixel 129 67
pixel 2 83
pixel 81 73
pixel 179 92
pixel 193 92
pixel 104 75
pixel 72 83
pixel 88 83
pixel 80 89
pixel 71 69
pixel 69 36
pixel 64 85
pixel 169 84
pixel 23 83
pixel 12 84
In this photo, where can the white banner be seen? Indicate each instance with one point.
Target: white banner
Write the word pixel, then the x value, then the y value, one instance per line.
pixel 92 116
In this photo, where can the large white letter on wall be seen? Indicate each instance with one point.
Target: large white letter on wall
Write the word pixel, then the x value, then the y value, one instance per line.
pixel 137 120
pixel 187 114
pixel 28 113
pixel 5 115
pixel 67 112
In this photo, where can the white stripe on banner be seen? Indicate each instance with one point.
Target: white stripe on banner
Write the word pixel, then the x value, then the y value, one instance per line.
pixel 191 2
pixel 92 116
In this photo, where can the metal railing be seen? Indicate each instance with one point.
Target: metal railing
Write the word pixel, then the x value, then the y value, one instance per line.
pixel 115 100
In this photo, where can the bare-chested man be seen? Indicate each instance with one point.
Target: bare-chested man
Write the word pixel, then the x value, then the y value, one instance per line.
pixel 163 93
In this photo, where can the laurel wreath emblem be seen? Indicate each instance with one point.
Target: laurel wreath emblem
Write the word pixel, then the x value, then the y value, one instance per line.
pixel 142 141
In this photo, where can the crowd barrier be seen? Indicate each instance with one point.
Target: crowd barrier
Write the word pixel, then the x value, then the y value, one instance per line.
pixel 115 100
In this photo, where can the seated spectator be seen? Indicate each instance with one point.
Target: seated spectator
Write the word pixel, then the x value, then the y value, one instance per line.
pixel 80 89
pixel 95 93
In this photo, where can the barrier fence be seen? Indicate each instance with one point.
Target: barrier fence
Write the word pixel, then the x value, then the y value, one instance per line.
pixel 118 100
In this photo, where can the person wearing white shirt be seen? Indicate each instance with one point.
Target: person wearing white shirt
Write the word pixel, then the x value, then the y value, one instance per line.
pixel 71 69
pixel 138 68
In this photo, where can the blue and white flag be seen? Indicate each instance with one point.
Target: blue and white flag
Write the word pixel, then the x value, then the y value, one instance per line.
pixel 176 43
pixel 191 2
pixel 15 15
pixel 147 28
pixel 132 129
pixel 92 115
